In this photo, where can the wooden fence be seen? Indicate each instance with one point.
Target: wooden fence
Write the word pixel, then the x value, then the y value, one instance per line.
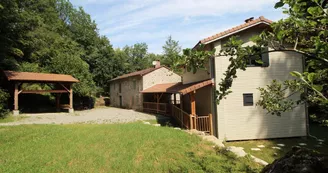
pixel 153 107
pixel 204 124
pixel 185 120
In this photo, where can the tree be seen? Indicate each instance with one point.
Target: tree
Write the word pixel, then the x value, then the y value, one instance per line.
pixel 52 36
pixel 137 56
pixel 307 29
pixel 99 53
pixel 171 54
pixel 3 99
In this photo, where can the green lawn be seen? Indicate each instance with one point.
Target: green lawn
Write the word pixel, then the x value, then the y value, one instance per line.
pixel 131 147
pixel 269 154
pixel 11 118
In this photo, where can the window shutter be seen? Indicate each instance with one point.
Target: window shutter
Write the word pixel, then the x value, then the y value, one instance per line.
pixel 248 99
pixel 265 57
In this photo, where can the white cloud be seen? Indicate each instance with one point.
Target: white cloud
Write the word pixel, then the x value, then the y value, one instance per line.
pixel 123 14
pixel 151 21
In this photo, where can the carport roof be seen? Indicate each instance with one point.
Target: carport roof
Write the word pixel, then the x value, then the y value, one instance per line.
pixel 38 77
pixel 177 87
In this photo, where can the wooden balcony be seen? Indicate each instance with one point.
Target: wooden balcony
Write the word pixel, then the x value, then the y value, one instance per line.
pixel 185 120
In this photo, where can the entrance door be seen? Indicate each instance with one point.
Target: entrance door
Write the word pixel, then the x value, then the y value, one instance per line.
pixel 121 101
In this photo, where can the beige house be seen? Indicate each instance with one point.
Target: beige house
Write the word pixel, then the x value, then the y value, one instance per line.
pixel 192 102
pixel 237 117
pixel 125 90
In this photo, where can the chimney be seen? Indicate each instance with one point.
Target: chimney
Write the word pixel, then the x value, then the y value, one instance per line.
pixel 157 64
pixel 249 19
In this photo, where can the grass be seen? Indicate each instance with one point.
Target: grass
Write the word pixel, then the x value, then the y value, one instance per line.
pixel 11 118
pixel 269 154
pixel 133 147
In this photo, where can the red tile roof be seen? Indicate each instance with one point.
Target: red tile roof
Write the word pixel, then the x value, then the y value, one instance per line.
pixel 138 73
pixel 234 30
pixel 38 77
pixel 177 87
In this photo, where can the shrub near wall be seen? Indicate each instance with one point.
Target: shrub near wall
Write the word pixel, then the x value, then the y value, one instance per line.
pixel 3 103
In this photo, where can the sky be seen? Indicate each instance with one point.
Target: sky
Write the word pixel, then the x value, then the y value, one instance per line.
pixel 126 22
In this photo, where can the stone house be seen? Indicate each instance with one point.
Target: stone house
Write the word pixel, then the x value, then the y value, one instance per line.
pixel 125 89
pixel 237 117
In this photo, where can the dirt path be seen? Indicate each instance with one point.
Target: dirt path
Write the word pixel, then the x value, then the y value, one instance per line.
pixel 95 116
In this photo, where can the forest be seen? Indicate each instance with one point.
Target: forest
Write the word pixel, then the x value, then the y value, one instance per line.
pixel 53 36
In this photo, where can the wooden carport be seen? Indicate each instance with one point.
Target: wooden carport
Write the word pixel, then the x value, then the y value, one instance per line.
pixel 62 82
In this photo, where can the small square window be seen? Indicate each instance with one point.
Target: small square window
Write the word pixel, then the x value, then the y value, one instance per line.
pixel 248 99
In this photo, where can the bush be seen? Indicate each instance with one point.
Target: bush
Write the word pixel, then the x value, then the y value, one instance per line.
pixel 3 103
pixel 299 160
pixel 319 114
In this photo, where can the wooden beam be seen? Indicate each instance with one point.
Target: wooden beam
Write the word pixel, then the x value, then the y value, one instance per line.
pixel 64 87
pixel 70 96
pixel 16 97
pixel 41 91
pixel 193 103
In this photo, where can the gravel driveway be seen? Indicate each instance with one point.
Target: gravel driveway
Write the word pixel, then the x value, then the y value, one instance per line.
pixel 94 116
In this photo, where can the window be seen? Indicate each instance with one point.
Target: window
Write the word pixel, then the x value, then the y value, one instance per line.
pixel 248 99
pixel 134 84
pixel 120 88
pixel 255 61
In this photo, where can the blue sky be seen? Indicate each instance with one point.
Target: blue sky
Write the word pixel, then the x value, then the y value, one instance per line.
pixel 126 22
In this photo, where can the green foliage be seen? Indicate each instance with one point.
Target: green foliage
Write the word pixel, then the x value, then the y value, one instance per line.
pixel 53 36
pixel 137 56
pixel 3 102
pixel 305 29
pixel 194 59
pixel 172 55
pixel 273 98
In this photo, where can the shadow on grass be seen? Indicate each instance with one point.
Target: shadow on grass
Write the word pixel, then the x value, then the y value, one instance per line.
pixel 166 121
pixel 269 154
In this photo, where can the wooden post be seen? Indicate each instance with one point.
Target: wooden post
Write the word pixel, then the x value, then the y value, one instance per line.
pixel 70 97
pixel 193 108
pixel 181 101
pixel 157 101
pixel 58 102
pixel 193 103
pixel 195 122
pixel 16 97
pixel 175 99
pixel 211 124
pixel 190 121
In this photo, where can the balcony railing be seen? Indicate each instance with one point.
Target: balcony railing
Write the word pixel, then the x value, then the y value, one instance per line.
pixel 152 107
pixel 185 120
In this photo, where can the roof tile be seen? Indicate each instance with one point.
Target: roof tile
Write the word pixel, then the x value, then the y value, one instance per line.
pixel 177 87
pixel 137 73
pixel 261 19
